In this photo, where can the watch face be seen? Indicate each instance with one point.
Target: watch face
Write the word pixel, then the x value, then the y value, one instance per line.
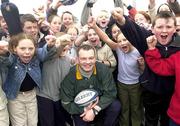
pixel 95 111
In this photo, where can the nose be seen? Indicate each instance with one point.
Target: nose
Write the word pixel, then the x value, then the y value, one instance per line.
pixel 122 42
pixel 33 29
pixel 164 29
pixel 88 61
pixel 27 51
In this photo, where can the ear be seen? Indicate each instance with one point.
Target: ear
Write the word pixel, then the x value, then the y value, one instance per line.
pixel 77 59
pixel 152 29
pixel 14 49
pixel 175 29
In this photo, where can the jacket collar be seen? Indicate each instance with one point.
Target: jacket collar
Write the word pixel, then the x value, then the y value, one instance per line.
pixel 174 43
pixel 78 73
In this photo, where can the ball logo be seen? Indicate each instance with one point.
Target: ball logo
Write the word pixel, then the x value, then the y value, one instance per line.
pixel 86 97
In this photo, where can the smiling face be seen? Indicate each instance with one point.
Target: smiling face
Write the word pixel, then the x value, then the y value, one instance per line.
pixel 114 31
pixel 103 19
pixel 25 50
pixel 31 28
pixel 55 24
pixel 86 59
pixel 164 30
pixel 73 32
pixel 124 44
pixel 67 19
pixel 140 19
pixel 93 38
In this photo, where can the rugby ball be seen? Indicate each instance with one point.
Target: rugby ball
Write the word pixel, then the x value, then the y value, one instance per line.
pixel 85 97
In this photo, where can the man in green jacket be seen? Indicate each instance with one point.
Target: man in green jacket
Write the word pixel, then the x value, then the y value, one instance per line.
pixel 89 74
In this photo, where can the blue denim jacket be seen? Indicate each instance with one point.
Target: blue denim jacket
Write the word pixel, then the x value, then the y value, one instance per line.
pixel 17 71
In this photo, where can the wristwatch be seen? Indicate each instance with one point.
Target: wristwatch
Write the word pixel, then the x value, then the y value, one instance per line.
pixel 95 111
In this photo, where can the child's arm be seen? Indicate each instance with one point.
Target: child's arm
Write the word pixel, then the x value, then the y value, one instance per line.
pixel 82 37
pixel 48 49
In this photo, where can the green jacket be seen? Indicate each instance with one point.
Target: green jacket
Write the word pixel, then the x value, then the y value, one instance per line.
pixel 101 80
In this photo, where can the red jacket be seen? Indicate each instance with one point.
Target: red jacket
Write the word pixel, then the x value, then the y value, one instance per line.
pixel 167 67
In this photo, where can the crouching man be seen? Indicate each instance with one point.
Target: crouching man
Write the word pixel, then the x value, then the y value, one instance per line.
pixel 89 74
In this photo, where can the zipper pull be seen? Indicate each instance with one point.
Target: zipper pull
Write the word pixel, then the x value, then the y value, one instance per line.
pixel 166 48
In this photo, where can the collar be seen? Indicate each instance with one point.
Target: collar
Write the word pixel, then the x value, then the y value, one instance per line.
pixel 174 43
pixel 78 73
pixel 40 35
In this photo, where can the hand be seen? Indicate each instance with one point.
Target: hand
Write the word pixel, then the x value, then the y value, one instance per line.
pixel 140 61
pixel 151 42
pixel 44 25
pixel 152 3
pixel 171 1
pixel 89 116
pixel 89 107
pixel 48 3
pixel 63 40
pixel 39 12
pixel 56 4
pixel 91 22
pixel 4 47
pixel 50 40
pixel 85 29
pixel 92 105
pixel 117 14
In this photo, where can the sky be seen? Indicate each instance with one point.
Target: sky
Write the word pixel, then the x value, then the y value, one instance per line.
pixel 25 6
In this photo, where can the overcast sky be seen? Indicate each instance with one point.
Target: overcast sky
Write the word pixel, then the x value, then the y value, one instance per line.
pixel 25 6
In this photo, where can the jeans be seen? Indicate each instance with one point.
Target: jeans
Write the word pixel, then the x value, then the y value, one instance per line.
pixel 109 116
pixel 172 123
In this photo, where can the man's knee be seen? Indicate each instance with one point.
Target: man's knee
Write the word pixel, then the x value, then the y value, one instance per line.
pixel 115 106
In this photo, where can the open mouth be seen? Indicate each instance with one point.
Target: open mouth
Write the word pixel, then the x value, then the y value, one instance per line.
pixel 103 23
pixel 93 41
pixel 164 36
pixel 26 59
pixel 124 48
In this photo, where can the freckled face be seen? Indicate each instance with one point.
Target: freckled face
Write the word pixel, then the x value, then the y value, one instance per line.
pixel 25 50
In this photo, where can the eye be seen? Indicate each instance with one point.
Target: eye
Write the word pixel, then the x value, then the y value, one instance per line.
pixel 118 41
pixel 169 26
pixel 82 58
pixel 91 58
pixel 22 48
pixel 31 49
pixel 177 30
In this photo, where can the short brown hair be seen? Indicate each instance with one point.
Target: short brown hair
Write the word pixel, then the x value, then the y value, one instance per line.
pixel 86 47
pixel 146 15
pixel 27 17
pixel 14 40
pixel 165 15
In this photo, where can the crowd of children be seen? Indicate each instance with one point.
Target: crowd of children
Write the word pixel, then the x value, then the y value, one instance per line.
pixel 131 60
